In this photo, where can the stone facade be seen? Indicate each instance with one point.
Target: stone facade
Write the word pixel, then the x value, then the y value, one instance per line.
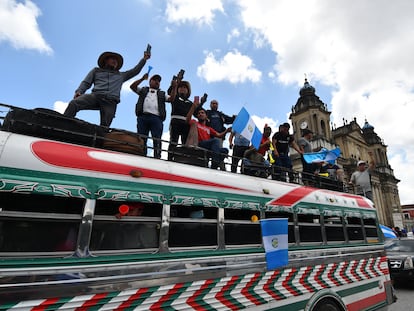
pixel 355 143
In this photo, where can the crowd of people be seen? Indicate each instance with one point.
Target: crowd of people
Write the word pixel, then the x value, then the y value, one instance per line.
pixel 207 130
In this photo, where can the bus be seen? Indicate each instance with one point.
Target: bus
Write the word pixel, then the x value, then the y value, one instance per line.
pixel 67 241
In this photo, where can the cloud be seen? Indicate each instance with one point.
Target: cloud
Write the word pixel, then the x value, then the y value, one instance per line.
pixel 234 67
pixel 192 11
pixel 363 52
pixel 19 27
pixel 60 106
pixel 234 33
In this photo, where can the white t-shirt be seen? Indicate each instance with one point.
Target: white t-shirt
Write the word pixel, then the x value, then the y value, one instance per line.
pixel 151 102
pixel 362 181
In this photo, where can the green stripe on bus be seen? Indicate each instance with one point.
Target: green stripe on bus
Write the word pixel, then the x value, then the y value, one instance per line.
pixel 357 289
pixel 252 287
pixel 137 302
pixel 93 184
pixel 58 303
pixel 299 305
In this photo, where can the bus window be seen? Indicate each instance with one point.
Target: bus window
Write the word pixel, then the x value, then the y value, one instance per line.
pixel 241 227
pixel 38 223
pixel 334 228
pixel 371 232
pixel 125 225
pixel 291 226
pixel 309 228
pixel 354 228
pixel 192 226
pixel 40 203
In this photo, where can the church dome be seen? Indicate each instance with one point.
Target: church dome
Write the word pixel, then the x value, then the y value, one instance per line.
pixel 367 126
pixel 307 89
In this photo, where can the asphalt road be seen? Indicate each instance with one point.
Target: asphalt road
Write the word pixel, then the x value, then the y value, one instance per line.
pixel 404 292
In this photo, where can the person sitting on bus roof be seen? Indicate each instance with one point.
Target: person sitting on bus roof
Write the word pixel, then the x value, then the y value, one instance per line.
pixel 206 134
pixel 255 164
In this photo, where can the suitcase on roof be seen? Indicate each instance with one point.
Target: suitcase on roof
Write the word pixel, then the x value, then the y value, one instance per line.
pixel 190 155
pixel 49 124
pixel 124 141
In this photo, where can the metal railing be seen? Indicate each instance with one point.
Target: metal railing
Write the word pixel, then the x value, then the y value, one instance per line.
pixel 52 125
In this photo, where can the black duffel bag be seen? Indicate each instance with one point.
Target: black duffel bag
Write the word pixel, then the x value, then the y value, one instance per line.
pixel 46 123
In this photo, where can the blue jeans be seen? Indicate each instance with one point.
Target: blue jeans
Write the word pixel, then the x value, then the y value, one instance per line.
pixel 282 165
pixel 213 145
pixel 153 123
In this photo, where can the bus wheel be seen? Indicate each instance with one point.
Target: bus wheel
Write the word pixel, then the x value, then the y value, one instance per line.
pixel 327 305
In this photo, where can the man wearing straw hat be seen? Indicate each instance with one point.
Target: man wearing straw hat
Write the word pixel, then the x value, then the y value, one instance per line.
pixel 107 82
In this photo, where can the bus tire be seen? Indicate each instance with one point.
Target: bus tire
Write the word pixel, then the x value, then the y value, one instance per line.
pixel 327 305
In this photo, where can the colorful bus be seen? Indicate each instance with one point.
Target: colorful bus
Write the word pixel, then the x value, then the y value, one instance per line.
pixel 195 245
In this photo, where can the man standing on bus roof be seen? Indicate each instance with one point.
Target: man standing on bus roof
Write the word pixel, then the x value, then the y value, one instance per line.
pixel 282 141
pixel 150 109
pixel 107 82
pixel 361 179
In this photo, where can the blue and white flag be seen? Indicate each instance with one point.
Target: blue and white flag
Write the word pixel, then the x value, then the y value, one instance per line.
pixel 324 155
pixel 388 232
pixel 244 125
pixel 275 241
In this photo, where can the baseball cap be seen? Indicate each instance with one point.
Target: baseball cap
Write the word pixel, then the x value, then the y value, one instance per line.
pixel 360 162
pixel 156 77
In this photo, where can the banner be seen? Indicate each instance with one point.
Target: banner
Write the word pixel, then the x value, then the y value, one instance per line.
pixel 275 241
pixel 244 125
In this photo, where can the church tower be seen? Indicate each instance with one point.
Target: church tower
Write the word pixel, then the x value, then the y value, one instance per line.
pixel 355 143
pixel 311 113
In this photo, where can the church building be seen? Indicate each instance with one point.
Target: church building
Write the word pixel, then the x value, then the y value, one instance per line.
pixel 355 143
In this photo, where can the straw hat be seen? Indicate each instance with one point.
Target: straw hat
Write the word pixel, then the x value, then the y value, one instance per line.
pixel 105 55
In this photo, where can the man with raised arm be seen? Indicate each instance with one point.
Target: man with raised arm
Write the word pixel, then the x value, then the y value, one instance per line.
pixel 107 82
pixel 206 134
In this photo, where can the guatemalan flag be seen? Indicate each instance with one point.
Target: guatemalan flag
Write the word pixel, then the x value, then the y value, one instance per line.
pixel 324 155
pixel 275 241
pixel 244 125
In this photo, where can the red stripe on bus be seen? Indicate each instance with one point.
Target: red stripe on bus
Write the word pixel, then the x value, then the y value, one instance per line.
pixel 270 288
pixel 342 273
pixel 45 304
pixel 354 271
pixel 94 301
pixel 193 300
pixel 318 277
pixel 159 305
pixel 132 299
pixel 293 196
pixel 304 280
pixel 77 157
pixel 288 285
pixel 367 302
pixel 360 200
pixel 331 274
pixel 221 295
pixel 249 285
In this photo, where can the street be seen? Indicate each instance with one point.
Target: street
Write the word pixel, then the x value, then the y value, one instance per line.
pixel 404 292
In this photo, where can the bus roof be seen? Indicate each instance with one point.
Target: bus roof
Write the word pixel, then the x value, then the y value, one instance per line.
pixel 91 172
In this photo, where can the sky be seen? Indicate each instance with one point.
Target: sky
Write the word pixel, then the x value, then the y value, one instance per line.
pixel 243 53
